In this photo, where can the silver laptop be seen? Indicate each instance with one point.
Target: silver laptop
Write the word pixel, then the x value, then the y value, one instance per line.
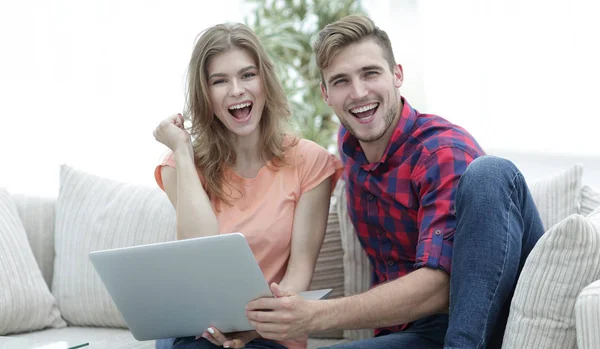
pixel 180 288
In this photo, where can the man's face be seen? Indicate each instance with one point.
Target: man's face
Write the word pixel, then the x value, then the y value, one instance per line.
pixel 362 90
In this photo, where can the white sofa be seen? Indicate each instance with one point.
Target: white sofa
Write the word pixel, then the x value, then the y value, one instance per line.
pixel 49 291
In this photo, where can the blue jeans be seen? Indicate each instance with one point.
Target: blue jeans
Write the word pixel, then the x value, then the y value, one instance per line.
pixel 426 333
pixel 497 226
pixel 192 343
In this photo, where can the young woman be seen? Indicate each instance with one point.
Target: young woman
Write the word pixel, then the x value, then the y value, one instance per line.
pixel 238 170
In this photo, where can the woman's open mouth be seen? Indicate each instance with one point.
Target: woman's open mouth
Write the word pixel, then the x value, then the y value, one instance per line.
pixel 241 112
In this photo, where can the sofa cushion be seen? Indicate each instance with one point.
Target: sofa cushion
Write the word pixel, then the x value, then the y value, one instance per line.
pixel 94 213
pixel 587 317
pixel 329 270
pixel 558 195
pixel 357 268
pixel 590 200
pixel 97 337
pixel 37 214
pixel 26 303
pixel 564 261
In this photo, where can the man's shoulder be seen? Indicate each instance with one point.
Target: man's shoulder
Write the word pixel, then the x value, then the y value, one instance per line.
pixel 433 133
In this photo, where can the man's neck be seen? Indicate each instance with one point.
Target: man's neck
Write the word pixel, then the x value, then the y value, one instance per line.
pixel 374 150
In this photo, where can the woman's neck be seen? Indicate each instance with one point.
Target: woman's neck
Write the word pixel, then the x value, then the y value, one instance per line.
pixel 248 153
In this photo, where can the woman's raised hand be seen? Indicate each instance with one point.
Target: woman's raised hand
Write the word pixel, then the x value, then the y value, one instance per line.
pixel 171 133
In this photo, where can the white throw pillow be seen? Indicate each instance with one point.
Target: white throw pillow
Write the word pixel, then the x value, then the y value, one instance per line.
pixel 590 200
pixel 26 303
pixel 94 213
pixel 558 196
pixel 564 261
pixel 587 317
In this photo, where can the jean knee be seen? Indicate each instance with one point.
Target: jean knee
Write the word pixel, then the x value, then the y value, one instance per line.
pixel 485 172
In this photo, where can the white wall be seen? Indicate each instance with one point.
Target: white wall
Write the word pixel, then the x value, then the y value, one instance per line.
pixel 85 82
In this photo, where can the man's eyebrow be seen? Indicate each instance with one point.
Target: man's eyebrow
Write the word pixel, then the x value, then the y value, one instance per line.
pixel 372 67
pixel 363 69
pixel 220 75
pixel 335 77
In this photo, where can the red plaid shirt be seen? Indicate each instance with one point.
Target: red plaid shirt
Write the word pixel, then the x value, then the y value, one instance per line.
pixel 402 207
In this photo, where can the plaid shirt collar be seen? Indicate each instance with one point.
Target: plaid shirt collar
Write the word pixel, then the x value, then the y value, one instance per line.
pixel 352 149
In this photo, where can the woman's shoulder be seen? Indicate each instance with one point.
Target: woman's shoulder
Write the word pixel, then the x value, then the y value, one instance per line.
pixel 301 146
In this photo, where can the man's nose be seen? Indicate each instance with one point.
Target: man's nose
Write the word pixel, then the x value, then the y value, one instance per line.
pixel 358 90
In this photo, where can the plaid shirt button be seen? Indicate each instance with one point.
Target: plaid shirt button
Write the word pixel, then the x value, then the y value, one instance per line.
pixel 370 197
pixel 390 263
pixel 438 232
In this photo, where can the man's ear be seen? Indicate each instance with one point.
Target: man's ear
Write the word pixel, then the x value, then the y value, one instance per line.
pixel 398 76
pixel 324 93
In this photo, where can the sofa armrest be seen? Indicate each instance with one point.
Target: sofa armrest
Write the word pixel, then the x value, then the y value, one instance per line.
pixel 38 215
pixel 587 317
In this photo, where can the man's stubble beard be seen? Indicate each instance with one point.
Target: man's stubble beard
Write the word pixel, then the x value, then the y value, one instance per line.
pixel 388 119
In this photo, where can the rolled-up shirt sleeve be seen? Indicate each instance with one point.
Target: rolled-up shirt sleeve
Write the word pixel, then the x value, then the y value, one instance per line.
pixel 436 180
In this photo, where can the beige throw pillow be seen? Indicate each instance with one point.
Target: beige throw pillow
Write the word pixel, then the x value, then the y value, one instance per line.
pixel 94 213
pixel 26 303
pixel 564 261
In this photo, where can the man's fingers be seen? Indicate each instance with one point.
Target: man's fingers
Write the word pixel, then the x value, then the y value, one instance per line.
pixel 269 327
pixel 265 304
pixel 263 316
pixel 277 336
pixel 279 292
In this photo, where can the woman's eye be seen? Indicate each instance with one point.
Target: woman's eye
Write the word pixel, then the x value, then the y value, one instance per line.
pixel 248 75
pixel 220 81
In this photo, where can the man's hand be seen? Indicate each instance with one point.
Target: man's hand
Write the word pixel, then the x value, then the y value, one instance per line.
pixel 287 316
pixel 231 340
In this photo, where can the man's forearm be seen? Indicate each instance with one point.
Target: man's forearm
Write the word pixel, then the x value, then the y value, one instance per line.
pixel 421 293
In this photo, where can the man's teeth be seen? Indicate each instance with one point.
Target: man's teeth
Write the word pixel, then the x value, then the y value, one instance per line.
pixel 364 108
pixel 240 106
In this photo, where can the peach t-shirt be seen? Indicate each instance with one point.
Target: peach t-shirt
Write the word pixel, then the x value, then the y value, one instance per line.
pixel 263 207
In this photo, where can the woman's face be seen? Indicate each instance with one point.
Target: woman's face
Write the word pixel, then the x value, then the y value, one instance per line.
pixel 236 91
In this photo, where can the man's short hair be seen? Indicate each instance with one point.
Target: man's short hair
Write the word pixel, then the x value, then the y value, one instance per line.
pixel 349 30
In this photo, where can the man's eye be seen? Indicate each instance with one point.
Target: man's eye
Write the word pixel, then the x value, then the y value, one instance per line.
pixel 339 81
pixel 372 72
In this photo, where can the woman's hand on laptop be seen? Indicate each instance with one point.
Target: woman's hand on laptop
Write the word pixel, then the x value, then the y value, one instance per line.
pixel 229 340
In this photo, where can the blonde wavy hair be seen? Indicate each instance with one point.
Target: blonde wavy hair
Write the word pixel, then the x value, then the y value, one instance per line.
pixel 213 151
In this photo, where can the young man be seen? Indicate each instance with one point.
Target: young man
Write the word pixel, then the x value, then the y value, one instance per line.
pixel 426 204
